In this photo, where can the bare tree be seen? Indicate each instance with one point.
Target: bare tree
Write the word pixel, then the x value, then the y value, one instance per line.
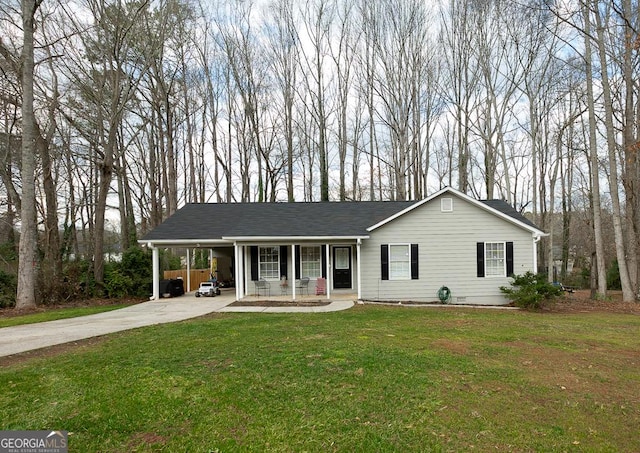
pixel 343 57
pixel 284 43
pixel 460 79
pixel 107 87
pixel 400 47
pixel 317 20
pixel 593 158
pixel 627 290
pixel 28 265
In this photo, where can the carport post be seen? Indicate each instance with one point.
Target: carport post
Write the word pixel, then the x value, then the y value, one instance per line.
pixel 188 269
pixel 156 272
pixel 238 269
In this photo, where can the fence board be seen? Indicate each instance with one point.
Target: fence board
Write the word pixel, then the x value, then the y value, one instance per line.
pixel 197 276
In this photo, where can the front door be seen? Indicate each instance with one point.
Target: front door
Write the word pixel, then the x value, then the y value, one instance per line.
pixel 341 267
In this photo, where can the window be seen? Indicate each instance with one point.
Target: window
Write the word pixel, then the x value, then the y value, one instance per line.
pixel 269 263
pixel 311 262
pixel 494 259
pixel 399 262
pixel 446 205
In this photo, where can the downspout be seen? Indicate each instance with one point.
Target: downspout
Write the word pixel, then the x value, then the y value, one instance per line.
pixel 358 244
pixel 536 239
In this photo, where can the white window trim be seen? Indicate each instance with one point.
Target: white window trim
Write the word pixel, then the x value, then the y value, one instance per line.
pixel 260 276
pixel 446 204
pixel 504 260
pixel 319 248
pixel 408 275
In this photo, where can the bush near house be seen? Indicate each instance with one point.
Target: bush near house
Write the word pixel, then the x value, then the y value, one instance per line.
pixel 8 288
pixel 131 276
pixel 531 290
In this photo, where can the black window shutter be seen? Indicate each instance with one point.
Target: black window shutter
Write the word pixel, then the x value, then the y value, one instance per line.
pixel 254 262
pixel 297 263
pixel 480 258
pixel 509 254
pixel 323 259
pixel 283 261
pixel 414 261
pixel 384 261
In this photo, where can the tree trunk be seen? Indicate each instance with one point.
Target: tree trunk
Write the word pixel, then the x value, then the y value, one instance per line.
pixel 631 166
pixel 627 290
pixel 28 264
pixel 594 164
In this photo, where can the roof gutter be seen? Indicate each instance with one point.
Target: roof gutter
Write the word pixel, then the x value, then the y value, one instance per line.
pixel 293 239
pixel 181 242
pixel 230 240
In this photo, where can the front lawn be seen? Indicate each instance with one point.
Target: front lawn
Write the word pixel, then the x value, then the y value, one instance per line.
pixel 366 379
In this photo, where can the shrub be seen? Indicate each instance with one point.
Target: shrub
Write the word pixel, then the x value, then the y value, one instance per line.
pixel 613 276
pixel 131 276
pixel 8 288
pixel 531 290
pixel 116 284
pixel 78 280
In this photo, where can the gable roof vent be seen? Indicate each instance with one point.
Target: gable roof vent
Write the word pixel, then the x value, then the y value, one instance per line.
pixel 446 204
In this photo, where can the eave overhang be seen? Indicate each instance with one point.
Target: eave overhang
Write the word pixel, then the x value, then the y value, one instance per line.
pixel 534 231
pixel 249 240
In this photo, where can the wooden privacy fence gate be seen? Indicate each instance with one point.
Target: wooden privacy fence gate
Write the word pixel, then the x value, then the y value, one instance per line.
pixel 197 276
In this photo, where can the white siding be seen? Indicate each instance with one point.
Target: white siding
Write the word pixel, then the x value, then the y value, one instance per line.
pixel 447 254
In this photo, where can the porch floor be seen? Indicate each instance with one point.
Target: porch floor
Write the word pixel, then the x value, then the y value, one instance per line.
pixel 336 295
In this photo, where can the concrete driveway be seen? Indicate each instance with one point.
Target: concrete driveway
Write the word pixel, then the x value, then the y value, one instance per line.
pixel 17 339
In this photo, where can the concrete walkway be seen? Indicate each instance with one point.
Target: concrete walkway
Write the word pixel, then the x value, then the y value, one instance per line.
pixel 17 339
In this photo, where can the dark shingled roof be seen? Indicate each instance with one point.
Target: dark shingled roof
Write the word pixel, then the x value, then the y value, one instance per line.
pixel 506 208
pixel 213 221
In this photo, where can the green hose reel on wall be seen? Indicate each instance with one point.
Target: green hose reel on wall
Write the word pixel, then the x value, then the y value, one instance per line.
pixel 444 294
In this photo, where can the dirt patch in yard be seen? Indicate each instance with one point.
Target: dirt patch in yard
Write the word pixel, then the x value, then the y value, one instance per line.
pixel 580 302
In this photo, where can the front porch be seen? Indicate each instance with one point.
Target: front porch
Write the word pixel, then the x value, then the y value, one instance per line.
pixel 300 299
pixel 301 270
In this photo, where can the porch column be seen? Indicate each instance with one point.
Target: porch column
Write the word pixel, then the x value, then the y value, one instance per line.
pixel 210 261
pixel 328 283
pixel 155 255
pixel 188 269
pixel 293 261
pixel 238 270
pixel 358 268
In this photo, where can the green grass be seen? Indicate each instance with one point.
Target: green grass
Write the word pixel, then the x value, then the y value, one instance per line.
pixel 367 379
pixel 62 313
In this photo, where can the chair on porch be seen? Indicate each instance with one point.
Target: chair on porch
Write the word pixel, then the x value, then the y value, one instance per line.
pixel 284 285
pixel 263 285
pixel 303 285
pixel 321 286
